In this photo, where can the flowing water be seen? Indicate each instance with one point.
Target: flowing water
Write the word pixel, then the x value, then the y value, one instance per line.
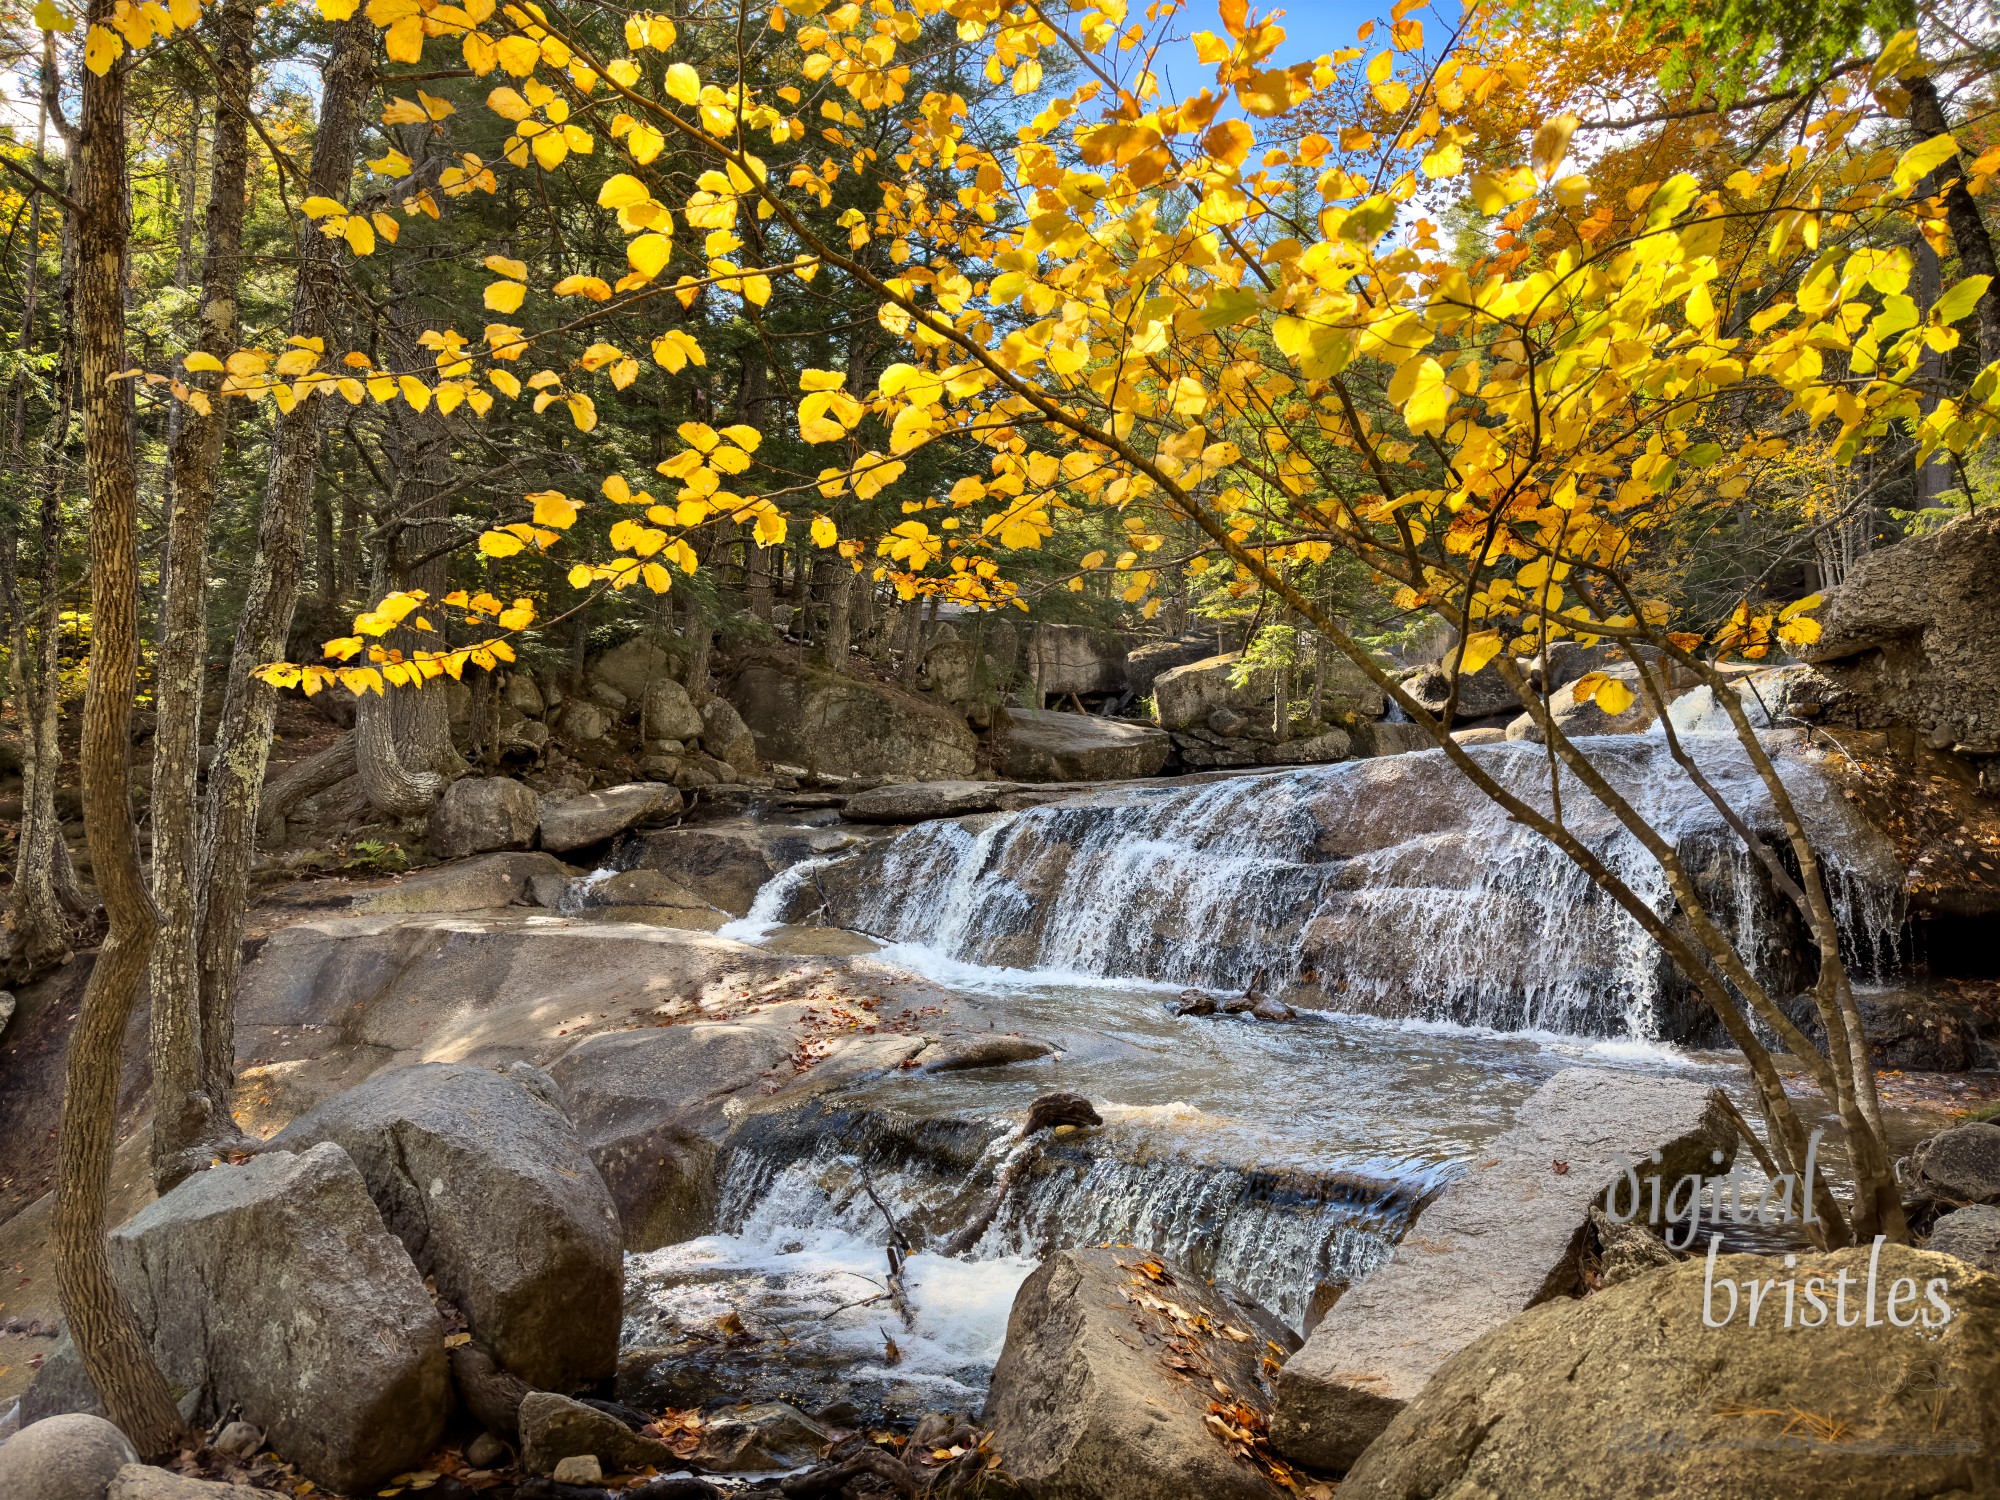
pixel 1454 963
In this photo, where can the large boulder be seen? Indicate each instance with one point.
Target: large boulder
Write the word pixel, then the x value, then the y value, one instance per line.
pixel 495 1197
pixel 273 1288
pixel 664 899
pixel 1114 1363
pixel 1144 664
pixel 1665 1386
pixel 1039 745
pixel 1908 639
pixel 803 715
pixel 483 884
pixel 726 737
pixel 1960 1165
pixel 668 713
pixel 482 813
pixel 1184 698
pixel 70 1457
pixel 649 1108
pixel 1506 1236
pixel 920 801
pixel 631 668
pixel 591 818
pixel 1073 659
pixel 1971 1235
pixel 1479 693
pixel 1575 718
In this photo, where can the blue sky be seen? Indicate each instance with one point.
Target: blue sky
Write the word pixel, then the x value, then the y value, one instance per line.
pixel 1311 28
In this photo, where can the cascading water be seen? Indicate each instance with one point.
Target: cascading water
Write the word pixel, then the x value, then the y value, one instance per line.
pixel 1389 887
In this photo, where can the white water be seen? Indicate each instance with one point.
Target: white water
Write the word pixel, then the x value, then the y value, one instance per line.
pixel 1389 887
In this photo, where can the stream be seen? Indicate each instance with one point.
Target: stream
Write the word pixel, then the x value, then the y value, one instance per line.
pixel 1445 964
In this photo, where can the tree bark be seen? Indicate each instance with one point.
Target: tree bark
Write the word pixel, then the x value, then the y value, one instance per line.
pixel 41 918
pixel 839 613
pixel 243 739
pixel 114 1353
pixel 1962 216
pixel 184 1112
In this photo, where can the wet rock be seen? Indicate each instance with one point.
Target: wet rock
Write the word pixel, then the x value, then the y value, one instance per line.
pixel 1084 1402
pixel 1073 659
pixel 769 1435
pixel 1922 1032
pixel 494 1195
pixel 918 801
pixel 724 866
pixel 828 724
pixel 70 1457
pixel 651 890
pixel 273 1288
pixel 1971 1235
pixel 631 669
pixel 1960 1165
pixel 480 813
pixel 555 1428
pixel 1504 1237
pixel 1907 638
pixel 1053 1110
pixel 648 1106
pixel 573 822
pixel 1185 696
pixel 956 1054
pixel 139 1482
pixel 725 736
pixel 1380 737
pixel 1038 745
pixel 1631 1392
pixel 481 884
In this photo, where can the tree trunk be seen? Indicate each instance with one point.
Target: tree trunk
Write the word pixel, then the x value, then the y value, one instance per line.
pixel 243 739
pixel 114 1353
pixel 1962 216
pixel 46 900
pixel 839 613
pixel 183 1110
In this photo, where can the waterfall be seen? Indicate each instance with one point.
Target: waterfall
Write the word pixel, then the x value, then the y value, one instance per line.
pixel 1272 1234
pixel 1389 886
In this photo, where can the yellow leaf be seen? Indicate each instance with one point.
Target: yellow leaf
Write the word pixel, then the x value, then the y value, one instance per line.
pixel 1481 649
pixel 554 508
pixel 404 42
pixel 505 296
pixel 360 235
pixel 201 361
pixel 499 543
pixel 649 253
pixel 101 48
pixel 821 380
pixel 414 391
pixel 518 55
pixel 1551 145
pixel 593 287
pixel 1613 696
pixel 49 18
pixel 622 191
pixel 683 84
pixel 824 532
